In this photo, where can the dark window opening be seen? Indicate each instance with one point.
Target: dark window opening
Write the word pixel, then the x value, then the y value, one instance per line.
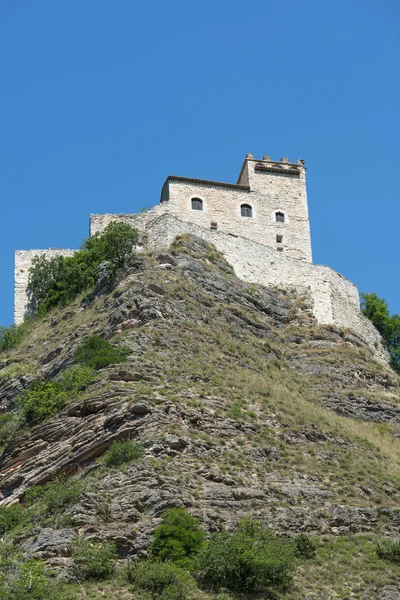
pixel 279 239
pixel 197 204
pixel 280 249
pixel 246 210
pixel 213 226
pixel 280 217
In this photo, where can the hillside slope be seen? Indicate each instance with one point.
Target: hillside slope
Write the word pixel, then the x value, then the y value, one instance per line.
pixel 242 404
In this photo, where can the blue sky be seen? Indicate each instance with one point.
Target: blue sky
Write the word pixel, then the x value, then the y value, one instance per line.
pixel 101 100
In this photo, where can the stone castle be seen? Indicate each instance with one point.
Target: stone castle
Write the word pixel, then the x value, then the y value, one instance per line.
pixel 260 224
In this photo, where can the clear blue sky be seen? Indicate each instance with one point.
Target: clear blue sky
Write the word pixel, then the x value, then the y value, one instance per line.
pixel 102 99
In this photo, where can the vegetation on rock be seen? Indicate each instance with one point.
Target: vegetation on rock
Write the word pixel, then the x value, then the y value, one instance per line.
pixel 96 353
pixel 242 405
pixel 178 539
pixel 58 280
pixel 376 309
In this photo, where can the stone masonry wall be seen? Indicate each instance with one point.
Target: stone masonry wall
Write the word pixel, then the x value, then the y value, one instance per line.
pixel 269 192
pixel 23 262
pixel 335 298
pixel 273 193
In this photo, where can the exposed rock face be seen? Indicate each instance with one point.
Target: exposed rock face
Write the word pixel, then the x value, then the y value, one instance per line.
pixel 226 389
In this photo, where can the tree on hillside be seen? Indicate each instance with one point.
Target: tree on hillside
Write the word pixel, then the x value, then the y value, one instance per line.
pixel 376 309
pixel 58 280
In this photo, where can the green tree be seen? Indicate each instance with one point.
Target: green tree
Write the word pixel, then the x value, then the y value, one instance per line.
pixel 252 559
pixel 58 280
pixel 178 539
pixel 96 353
pixel 376 309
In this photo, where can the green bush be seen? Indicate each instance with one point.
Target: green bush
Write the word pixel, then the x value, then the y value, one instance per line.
pixel 12 516
pixel 163 580
pixel 42 401
pixel 58 280
pixel 389 551
pixel 304 546
pixel 96 353
pixel 94 560
pixel 12 336
pixel 121 452
pixel 56 495
pixel 75 379
pixel 178 539
pixel 251 559
pixel 25 581
pixel 46 398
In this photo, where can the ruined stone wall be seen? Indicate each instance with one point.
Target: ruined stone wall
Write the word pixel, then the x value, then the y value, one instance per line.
pixel 335 298
pixel 23 262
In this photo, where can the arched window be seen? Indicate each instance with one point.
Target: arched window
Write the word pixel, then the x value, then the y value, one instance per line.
pixel 197 204
pixel 279 217
pixel 246 210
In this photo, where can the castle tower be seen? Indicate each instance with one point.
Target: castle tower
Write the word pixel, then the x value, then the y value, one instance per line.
pixel 268 205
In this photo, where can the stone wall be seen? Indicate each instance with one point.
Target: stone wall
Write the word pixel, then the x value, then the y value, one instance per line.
pixel 335 298
pixel 270 192
pixel 271 187
pixel 23 262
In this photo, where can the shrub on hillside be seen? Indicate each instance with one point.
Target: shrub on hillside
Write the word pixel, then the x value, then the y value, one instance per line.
pixel 96 353
pixel 163 580
pixel 94 560
pixel 12 516
pixel 58 280
pixel 42 401
pixel 55 496
pixel 389 551
pixel 252 559
pixel 12 336
pixel 25 581
pixel 178 539
pixel 304 546
pixel 46 398
pixel 122 452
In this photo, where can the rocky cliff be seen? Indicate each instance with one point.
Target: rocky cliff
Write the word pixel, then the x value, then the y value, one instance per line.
pixel 242 405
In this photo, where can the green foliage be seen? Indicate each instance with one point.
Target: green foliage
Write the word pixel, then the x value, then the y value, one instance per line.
pixel 12 336
pixel 94 560
pixel 376 309
pixel 12 516
pixel 252 559
pixel 24 581
pixel 42 401
pixel 389 551
pixel 95 352
pixel 58 280
pixel 163 580
pixel 114 244
pixel 46 398
pixel 122 452
pixel 178 539
pixel 9 424
pixel 55 496
pixel 75 379
pixel 304 546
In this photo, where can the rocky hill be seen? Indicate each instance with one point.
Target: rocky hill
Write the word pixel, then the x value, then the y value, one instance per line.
pixel 241 404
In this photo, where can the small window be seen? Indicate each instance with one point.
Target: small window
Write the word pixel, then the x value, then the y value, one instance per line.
pixel 279 239
pixel 279 217
pixel 213 226
pixel 246 210
pixel 197 204
pixel 280 249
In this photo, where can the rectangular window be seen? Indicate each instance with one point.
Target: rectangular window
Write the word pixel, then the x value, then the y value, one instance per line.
pixel 279 239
